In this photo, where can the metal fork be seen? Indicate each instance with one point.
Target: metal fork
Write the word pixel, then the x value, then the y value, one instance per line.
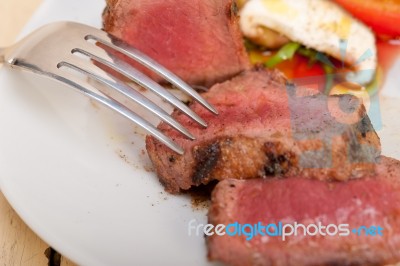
pixel 56 49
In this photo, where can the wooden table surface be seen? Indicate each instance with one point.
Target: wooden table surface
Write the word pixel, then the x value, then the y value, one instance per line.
pixel 18 244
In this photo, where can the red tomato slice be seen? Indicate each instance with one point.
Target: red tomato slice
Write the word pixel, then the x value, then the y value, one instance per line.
pixel 383 16
pixel 303 68
pixel 297 67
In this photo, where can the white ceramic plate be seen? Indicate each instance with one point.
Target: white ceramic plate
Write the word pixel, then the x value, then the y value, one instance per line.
pixel 78 175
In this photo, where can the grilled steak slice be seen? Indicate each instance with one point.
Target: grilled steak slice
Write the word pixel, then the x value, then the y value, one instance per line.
pixel 199 40
pixel 371 201
pixel 266 127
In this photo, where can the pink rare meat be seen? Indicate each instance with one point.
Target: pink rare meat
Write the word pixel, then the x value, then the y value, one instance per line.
pixel 370 201
pixel 198 40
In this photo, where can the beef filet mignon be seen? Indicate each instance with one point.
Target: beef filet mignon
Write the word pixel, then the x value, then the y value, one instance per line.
pixel 370 201
pixel 267 127
pixel 198 40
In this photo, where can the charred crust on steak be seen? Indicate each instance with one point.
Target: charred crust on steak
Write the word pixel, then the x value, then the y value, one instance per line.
pixel 232 10
pixel 216 158
pixel 358 152
pixel 365 126
pixel 279 161
pixel 108 15
pixel 171 159
pixel 206 159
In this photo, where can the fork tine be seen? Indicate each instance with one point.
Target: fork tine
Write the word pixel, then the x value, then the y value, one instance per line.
pixel 98 54
pixel 143 59
pixel 99 75
pixel 81 86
